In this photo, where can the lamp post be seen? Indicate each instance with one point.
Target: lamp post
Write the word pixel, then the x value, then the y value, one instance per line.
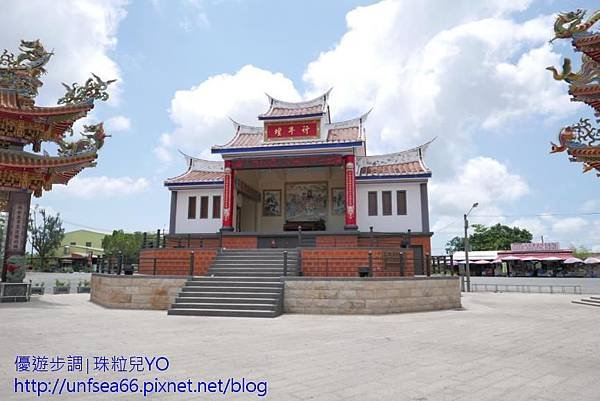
pixel 467 268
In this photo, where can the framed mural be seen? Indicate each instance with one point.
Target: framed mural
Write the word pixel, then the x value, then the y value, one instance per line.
pixel 271 202
pixel 306 201
pixel 338 201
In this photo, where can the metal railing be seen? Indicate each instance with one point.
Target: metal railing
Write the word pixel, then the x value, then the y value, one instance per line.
pixel 527 288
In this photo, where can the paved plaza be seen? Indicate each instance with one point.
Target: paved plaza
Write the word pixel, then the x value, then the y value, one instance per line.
pixel 499 347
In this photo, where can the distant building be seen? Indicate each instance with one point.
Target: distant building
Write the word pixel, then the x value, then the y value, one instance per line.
pixel 80 247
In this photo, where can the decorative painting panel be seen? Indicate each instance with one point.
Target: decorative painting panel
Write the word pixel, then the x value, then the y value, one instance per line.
pixel 306 201
pixel 271 202
pixel 338 201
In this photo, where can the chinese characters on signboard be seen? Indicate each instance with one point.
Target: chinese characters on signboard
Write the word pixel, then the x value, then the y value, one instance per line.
pixel 300 129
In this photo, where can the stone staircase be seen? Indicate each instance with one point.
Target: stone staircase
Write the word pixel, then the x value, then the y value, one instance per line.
pixel 591 301
pixel 245 283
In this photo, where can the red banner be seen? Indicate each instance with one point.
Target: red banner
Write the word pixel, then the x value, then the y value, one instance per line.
pixel 299 129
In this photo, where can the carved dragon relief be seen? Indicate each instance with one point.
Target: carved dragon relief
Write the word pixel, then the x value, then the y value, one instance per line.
pixel 571 23
pixel 92 141
pixel 22 72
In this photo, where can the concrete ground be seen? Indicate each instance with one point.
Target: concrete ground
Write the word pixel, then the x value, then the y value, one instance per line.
pixel 499 347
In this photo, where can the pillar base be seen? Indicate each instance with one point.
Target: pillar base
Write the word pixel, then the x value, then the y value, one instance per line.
pixel 350 227
pixel 226 229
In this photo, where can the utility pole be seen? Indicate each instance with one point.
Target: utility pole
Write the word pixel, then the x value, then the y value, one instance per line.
pixel 467 268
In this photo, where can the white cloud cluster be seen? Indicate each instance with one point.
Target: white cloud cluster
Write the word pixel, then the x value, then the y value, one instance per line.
pixel 202 112
pixel 80 33
pixel 118 124
pixel 103 187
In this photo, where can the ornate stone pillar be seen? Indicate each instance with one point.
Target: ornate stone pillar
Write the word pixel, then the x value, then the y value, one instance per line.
pixel 350 193
pixel 228 204
pixel 16 230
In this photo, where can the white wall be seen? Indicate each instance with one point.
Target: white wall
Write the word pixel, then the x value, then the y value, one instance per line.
pixel 393 223
pixel 183 225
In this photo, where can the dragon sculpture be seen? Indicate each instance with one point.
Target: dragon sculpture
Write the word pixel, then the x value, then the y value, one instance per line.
pixel 93 89
pixel 588 74
pixel 571 24
pixel 93 140
pixel 22 72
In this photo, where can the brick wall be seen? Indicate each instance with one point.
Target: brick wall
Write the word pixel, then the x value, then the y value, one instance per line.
pixel 344 262
pixel 175 262
pixel 238 242
pixel 183 242
pixel 333 241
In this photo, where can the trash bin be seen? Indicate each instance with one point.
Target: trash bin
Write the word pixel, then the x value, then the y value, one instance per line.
pixel 128 270
pixel 365 271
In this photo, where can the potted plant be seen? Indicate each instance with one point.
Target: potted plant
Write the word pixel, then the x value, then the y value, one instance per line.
pixel 14 290
pixel 38 288
pixel 61 287
pixel 83 287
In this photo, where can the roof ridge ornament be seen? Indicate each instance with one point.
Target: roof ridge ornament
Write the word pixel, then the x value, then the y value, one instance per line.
pixel 93 89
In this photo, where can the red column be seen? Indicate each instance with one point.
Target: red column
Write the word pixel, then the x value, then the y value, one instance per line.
pixel 228 197
pixel 350 193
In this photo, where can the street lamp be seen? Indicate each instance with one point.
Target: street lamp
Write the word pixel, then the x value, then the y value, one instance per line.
pixel 467 268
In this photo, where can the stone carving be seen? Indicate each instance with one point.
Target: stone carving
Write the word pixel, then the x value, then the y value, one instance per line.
pixel 93 89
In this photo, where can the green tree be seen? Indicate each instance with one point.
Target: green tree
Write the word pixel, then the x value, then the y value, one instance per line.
pixel 127 243
pixel 582 252
pixel 46 233
pixel 496 237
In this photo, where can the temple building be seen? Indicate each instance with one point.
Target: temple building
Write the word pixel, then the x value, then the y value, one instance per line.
pixel 298 170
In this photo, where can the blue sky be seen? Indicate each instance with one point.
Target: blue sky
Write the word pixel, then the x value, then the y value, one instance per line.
pixel 469 73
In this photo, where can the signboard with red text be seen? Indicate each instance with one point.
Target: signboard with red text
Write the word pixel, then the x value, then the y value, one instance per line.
pixel 291 130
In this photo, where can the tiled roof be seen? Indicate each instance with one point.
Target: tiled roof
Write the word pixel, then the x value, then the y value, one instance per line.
pixel 191 176
pixel 199 171
pixel 8 98
pixel 281 109
pixel 253 137
pixel 409 162
pixel 25 160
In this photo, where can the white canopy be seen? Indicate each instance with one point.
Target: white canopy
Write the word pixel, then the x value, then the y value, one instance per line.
pixel 591 261
pixel 572 261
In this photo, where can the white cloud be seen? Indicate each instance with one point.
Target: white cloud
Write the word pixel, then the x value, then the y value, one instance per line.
pixel 468 69
pixel 81 34
pixel 117 124
pixel 95 187
pixel 483 180
pixel 569 225
pixel 201 112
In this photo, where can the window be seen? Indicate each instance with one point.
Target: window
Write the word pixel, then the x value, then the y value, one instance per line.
pixel 191 207
pixel 372 203
pixel 216 207
pixel 204 207
pixel 386 200
pixel 401 202
pixel 88 244
pixel 73 243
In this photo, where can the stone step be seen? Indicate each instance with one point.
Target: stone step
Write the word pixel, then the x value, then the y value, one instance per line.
pixel 237 274
pixel 595 298
pixel 228 288
pixel 586 302
pixel 592 299
pixel 221 300
pixel 224 313
pixel 228 294
pixel 225 306
pixel 254 260
pixel 239 283
pixel 243 271
pixel 257 279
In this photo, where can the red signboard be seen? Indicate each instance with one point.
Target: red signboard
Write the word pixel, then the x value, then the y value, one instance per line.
pixel 287 162
pixel 287 130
